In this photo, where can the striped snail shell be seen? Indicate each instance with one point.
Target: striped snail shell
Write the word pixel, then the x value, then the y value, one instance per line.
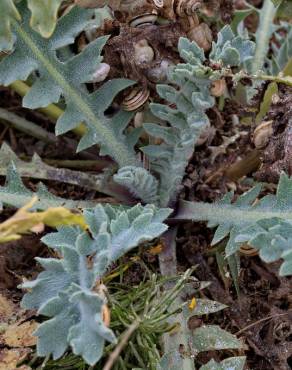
pixel 202 35
pixel 135 99
pixel 158 3
pixel 184 8
pixel 145 19
pixel 248 250
pixel 262 134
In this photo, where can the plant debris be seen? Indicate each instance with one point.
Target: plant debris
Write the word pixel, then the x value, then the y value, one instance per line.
pixel 172 113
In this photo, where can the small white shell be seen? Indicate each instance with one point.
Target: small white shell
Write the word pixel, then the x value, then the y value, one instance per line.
pixel 101 73
pixel 143 52
pixel 158 3
pixel 262 134
pixel 218 87
pixel 139 119
pixel 206 132
pixel 159 73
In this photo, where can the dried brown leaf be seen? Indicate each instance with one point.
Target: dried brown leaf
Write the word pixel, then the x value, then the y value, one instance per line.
pixel 97 3
pixel 7 309
pixel 20 335
pixel 9 358
pixel 168 9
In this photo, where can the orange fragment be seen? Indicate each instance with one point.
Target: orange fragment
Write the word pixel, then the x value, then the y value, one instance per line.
pixel 192 304
pixel 106 315
pixel 156 249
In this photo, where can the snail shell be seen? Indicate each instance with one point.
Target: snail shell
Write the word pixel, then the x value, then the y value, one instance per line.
pixel 143 53
pixel 159 73
pixel 248 250
pixel 262 134
pixel 145 19
pixel 202 35
pixel 101 73
pixel 186 7
pixel 192 7
pixel 138 123
pixel 206 133
pixel 193 21
pixel 218 87
pixel 158 3
pixel 136 99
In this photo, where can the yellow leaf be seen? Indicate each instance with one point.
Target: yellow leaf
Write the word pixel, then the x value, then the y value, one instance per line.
pixel 24 221
pixel 193 304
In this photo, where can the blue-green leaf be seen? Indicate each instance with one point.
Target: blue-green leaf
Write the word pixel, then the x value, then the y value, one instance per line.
pixel 265 225
pixel 56 79
pixel 67 291
pixel 190 97
pixel 212 337
pixel 231 363
pixel 8 12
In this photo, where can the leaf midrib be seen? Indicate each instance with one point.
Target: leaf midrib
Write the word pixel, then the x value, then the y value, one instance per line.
pixel 197 211
pixel 263 35
pixel 118 150
pixel 19 200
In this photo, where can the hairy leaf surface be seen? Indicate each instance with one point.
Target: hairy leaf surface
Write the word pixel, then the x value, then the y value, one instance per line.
pixel 15 194
pixel 186 107
pixel 212 337
pixel 69 291
pixel 57 79
pixel 282 52
pixel 139 181
pixel 264 32
pixel 38 169
pixel 204 338
pixel 44 15
pixel 231 363
pixel 8 12
pixel 266 224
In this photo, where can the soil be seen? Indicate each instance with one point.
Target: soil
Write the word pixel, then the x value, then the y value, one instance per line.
pixel 262 313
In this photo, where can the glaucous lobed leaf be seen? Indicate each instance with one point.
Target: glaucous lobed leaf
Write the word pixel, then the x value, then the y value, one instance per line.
pixel 32 53
pixel 44 15
pixel 8 12
pixel 265 224
pixel 15 194
pixel 231 363
pixel 68 290
pixel 188 97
